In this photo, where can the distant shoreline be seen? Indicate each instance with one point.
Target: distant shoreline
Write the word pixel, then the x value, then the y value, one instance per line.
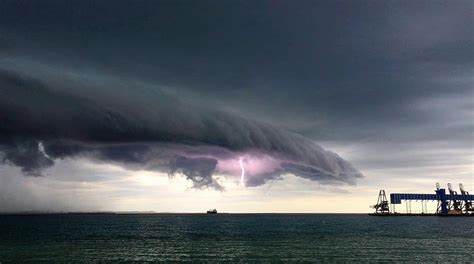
pixel 159 213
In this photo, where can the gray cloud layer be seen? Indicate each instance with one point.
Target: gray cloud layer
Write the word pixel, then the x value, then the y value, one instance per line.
pixel 390 75
pixel 140 126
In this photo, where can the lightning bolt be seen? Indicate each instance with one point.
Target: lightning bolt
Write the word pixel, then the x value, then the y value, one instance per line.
pixel 242 175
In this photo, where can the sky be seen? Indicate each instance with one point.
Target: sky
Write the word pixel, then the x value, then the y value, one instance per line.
pixel 158 105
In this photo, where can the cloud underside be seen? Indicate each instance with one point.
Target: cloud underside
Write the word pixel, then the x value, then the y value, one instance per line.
pixel 48 114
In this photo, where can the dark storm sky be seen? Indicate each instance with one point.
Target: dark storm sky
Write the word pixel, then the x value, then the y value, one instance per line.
pixel 390 74
pixel 336 70
pixel 388 85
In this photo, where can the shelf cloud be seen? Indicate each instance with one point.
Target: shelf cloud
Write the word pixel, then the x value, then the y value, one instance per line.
pixel 49 114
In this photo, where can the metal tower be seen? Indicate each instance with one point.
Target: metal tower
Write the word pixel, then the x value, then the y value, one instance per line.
pixel 467 204
pixel 382 206
pixel 454 206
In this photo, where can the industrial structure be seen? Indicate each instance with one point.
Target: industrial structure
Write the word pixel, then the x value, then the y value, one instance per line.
pixel 449 204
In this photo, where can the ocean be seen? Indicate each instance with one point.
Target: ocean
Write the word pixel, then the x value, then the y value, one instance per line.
pixel 235 238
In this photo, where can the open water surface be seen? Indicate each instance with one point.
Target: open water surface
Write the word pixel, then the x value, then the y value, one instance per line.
pixel 235 238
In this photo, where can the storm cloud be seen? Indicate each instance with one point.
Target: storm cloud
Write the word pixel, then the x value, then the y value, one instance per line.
pixel 178 86
pixel 50 114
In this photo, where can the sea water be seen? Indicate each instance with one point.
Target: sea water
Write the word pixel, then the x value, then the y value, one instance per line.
pixel 235 238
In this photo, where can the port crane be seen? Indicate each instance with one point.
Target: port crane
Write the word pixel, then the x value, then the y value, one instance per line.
pixel 454 205
pixel 382 205
pixel 467 204
pixel 449 204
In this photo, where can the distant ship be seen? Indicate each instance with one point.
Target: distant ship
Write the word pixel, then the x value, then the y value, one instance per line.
pixel 212 211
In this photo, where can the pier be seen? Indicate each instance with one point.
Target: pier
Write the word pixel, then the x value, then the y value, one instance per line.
pixel 449 204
